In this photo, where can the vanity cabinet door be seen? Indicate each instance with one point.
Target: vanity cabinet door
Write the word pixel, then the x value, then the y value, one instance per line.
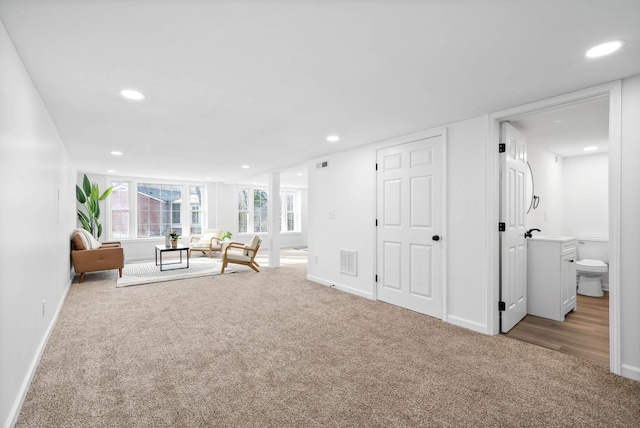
pixel 568 268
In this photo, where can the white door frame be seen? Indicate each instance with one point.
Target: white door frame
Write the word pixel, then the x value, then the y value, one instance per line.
pixel 421 135
pixel 614 91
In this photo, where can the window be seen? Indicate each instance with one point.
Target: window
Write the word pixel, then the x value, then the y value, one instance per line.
pixel 159 209
pixel 195 205
pixel 120 210
pixel 260 211
pixel 154 210
pixel 289 211
pixel 253 211
pixel 243 210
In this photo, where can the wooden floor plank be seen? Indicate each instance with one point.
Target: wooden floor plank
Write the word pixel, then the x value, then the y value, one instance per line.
pixel 584 333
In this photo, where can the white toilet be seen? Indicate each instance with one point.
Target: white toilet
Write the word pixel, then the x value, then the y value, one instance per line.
pixel 590 273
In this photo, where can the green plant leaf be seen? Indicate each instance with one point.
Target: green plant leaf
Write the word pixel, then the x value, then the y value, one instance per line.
pixel 99 229
pixel 91 205
pixel 96 214
pixel 94 192
pixel 86 185
pixel 80 195
pixel 84 220
pixel 106 193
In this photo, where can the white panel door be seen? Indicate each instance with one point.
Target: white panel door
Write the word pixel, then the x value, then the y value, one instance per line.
pixel 513 246
pixel 409 215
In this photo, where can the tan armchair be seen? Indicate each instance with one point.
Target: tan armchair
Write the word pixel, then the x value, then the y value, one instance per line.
pixel 88 255
pixel 243 254
pixel 207 243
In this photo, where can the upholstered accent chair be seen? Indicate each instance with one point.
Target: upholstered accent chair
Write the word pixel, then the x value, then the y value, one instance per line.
pixel 243 254
pixel 89 255
pixel 207 243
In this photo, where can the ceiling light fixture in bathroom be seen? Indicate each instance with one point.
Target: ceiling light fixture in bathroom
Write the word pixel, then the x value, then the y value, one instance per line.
pixel 605 49
pixel 131 94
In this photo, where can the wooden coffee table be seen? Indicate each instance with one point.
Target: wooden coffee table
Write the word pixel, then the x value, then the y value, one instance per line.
pixel 163 249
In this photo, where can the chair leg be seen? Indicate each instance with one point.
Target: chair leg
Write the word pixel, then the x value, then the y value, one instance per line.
pixel 82 277
pixel 224 265
pixel 120 271
pixel 251 265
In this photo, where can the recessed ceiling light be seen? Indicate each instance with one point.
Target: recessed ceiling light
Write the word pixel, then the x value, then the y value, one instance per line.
pixel 208 178
pixel 299 174
pixel 590 148
pixel 116 153
pixel 244 166
pixel 111 170
pixel 604 49
pixel 130 94
pixel 333 138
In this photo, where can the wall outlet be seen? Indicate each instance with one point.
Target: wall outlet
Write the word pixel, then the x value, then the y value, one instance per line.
pixel 44 307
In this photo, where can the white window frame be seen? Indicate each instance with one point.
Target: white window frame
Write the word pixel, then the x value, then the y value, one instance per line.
pixel 185 208
pixel 283 210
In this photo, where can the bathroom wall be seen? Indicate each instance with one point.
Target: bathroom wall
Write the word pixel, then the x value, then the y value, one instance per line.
pixel 585 195
pixel 548 179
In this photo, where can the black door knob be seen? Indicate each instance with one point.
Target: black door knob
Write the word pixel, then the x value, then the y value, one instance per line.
pixel 435 237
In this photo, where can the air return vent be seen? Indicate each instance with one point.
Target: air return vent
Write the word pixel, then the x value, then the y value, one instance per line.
pixel 322 164
pixel 348 262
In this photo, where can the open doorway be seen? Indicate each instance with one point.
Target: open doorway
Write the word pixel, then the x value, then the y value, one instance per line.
pixel 567 196
pixel 613 92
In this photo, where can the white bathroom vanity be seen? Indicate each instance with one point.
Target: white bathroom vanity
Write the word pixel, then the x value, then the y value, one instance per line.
pixel 551 276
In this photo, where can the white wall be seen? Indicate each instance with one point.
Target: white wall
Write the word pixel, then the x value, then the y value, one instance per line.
pixel 467 284
pixel 630 229
pixel 342 215
pixel 38 191
pixel 585 192
pixel 547 171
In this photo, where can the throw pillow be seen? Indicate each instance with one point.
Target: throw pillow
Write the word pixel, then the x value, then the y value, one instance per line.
pixel 93 244
pixel 80 241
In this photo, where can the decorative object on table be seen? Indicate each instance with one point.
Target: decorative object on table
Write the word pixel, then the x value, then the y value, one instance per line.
pixel 173 236
pixel 226 235
pixel 90 196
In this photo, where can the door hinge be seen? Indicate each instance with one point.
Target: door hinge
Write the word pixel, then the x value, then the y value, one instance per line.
pixel 501 306
pixel 376 166
pixel 502 227
pixel 376 222
pixel 376 278
pixel 502 147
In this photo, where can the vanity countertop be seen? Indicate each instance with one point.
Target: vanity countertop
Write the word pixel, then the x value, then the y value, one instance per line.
pixel 553 238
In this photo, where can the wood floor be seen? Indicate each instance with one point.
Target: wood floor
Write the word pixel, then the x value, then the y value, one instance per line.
pixel 584 333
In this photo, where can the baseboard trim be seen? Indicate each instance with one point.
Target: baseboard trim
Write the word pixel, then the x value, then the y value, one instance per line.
pixel 340 287
pixel 630 372
pixel 24 389
pixel 470 325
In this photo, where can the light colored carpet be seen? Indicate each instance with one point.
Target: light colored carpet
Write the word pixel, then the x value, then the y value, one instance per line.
pixel 148 272
pixel 272 349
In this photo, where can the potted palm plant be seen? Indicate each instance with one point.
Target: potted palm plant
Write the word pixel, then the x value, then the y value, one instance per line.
pixel 89 195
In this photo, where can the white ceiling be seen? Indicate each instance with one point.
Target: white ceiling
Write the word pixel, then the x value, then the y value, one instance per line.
pixel 568 130
pixel 263 83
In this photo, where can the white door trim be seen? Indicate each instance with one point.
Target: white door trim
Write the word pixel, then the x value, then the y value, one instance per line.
pixel 614 91
pixel 430 133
